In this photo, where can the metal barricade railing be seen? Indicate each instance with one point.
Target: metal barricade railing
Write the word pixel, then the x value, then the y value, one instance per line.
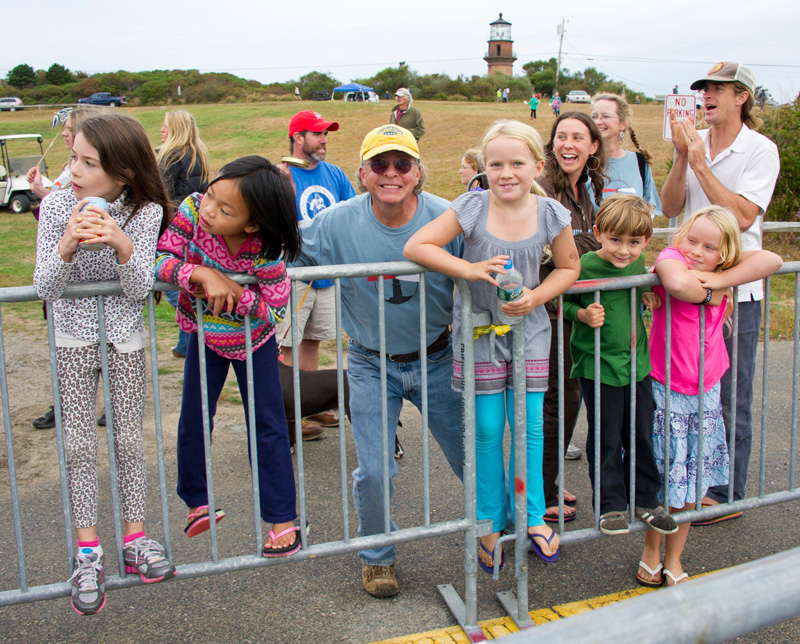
pixel 347 543
pixel 518 610
pixel 465 611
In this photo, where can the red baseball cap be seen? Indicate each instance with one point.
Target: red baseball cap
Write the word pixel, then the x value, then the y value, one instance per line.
pixel 311 121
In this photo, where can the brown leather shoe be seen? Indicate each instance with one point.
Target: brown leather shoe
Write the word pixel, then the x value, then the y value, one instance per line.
pixel 326 418
pixel 379 581
pixel 312 431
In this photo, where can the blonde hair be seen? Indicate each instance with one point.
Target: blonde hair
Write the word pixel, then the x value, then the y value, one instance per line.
pixel 748 118
pixel 474 159
pixel 182 137
pixel 730 248
pixel 510 129
pixel 624 112
pixel 623 214
pixel 77 114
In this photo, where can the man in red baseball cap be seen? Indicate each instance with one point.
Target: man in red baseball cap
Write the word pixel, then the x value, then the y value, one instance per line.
pixel 316 187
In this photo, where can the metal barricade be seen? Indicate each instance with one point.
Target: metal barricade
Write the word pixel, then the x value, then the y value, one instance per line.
pixel 347 542
pixel 516 604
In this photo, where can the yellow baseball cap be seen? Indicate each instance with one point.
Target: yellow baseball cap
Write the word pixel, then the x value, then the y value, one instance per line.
pixel 386 138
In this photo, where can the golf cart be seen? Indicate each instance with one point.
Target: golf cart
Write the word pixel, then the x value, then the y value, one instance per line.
pixel 15 192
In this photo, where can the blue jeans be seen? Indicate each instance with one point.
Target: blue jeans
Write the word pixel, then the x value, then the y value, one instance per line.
pixel 403 382
pixel 749 330
pixel 491 411
pixel 183 336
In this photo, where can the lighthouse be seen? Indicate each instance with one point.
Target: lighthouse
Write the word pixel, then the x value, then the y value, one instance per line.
pixel 500 57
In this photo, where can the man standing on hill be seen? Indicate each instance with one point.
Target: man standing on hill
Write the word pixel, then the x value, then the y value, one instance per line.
pixel 316 187
pixel 728 165
pixel 406 115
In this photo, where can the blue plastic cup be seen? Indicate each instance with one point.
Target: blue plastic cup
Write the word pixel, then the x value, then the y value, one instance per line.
pixel 100 203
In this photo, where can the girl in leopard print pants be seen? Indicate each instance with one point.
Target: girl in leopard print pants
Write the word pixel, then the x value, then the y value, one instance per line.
pixel 111 159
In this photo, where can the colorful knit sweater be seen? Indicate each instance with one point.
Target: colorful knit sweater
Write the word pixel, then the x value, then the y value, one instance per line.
pixel 184 246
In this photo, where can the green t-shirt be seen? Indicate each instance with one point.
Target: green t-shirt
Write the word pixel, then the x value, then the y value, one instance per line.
pixel 615 334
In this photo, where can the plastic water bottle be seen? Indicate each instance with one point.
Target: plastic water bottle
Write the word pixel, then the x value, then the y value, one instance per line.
pixel 509 288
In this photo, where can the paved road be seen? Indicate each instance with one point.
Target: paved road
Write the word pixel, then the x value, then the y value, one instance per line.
pixel 322 599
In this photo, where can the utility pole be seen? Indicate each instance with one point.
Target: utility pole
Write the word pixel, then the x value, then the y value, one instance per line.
pixel 560 33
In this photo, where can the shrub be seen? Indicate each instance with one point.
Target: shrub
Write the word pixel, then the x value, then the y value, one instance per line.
pixel 782 125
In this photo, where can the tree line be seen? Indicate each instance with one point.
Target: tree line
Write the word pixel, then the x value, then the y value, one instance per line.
pixel 57 84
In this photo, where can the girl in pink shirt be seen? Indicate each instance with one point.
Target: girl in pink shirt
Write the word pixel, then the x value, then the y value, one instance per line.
pixel 246 222
pixel 704 261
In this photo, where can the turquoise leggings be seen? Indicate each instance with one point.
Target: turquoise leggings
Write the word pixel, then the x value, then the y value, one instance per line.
pixel 491 411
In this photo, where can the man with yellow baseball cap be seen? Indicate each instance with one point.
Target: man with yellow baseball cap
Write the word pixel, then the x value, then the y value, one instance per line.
pixel 370 228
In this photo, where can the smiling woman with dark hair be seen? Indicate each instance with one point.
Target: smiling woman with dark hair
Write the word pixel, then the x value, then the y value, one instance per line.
pixel 575 157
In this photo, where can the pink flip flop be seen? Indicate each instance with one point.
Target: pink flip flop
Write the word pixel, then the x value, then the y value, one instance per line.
pixel 285 550
pixel 199 521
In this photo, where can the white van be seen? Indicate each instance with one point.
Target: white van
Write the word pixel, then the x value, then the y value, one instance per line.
pixel 361 96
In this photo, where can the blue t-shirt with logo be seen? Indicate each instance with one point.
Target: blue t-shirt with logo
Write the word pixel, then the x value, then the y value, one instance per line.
pixel 316 190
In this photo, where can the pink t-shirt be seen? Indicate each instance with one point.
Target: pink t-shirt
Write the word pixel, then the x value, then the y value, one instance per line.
pixel 685 365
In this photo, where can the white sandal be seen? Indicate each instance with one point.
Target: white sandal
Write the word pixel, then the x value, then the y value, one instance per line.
pixel 676 580
pixel 650 583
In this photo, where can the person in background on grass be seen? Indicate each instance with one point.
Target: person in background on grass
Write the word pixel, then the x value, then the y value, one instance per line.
pixel 513 219
pixel 731 165
pixel 406 115
pixel 575 157
pixel 112 159
pixel 627 172
pixel 623 227
pixel 245 222
pixel 391 209
pixel 316 187
pixel 472 165
pixel 555 104
pixel 183 161
pixel 72 117
pixel 704 261
pixel 534 103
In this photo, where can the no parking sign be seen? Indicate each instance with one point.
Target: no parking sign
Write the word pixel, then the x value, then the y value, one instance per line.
pixel 684 106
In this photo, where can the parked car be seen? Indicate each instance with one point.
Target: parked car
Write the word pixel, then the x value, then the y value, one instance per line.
pixel 361 96
pixel 104 98
pixel 578 96
pixel 320 95
pixel 15 191
pixel 10 103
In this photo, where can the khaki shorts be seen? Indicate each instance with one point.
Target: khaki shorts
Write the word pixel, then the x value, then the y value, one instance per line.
pixel 316 319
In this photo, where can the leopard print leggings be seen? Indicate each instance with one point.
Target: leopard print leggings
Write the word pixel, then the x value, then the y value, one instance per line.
pixel 78 376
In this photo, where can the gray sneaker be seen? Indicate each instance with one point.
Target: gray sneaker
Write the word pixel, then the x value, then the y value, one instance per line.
pixel 658 519
pixel 574 452
pixel 614 523
pixel 147 557
pixel 88 582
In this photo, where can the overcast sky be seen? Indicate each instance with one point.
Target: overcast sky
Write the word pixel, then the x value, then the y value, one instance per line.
pixel 651 46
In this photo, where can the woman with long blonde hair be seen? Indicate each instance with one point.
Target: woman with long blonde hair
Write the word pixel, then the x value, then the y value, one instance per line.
pixel 182 157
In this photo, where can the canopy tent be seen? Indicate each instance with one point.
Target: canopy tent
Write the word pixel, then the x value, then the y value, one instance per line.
pixel 353 87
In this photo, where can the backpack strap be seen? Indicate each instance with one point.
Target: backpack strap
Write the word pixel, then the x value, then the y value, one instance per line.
pixel 642 165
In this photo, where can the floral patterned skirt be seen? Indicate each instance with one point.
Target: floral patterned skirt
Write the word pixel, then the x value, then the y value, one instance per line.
pixel 683 431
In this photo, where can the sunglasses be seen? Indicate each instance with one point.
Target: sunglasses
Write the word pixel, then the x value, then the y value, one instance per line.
pixel 401 166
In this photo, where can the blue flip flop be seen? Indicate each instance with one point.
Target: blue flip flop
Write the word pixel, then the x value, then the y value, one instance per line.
pixel 539 552
pixel 490 569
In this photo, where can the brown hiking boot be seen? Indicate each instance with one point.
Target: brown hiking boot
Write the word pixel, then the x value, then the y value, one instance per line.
pixel 379 581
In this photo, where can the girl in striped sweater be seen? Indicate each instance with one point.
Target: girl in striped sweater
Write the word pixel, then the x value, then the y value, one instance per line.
pixel 246 222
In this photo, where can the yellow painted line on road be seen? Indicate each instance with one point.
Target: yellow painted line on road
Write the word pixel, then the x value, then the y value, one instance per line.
pixel 496 628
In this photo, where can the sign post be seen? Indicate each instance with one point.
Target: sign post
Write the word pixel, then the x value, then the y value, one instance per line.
pixel 684 106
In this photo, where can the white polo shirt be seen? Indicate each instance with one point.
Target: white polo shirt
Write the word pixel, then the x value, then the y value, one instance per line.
pixel 748 167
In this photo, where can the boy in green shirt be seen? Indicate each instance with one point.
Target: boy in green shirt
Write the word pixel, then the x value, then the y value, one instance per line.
pixel 623 227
